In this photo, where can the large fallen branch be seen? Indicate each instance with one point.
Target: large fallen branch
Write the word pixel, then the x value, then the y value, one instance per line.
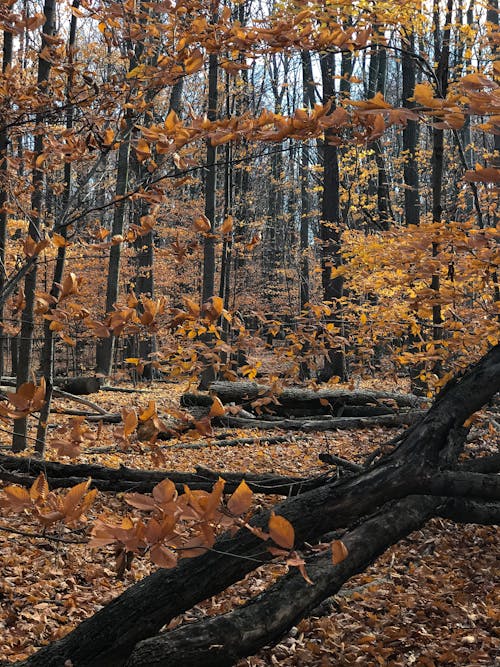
pixel 246 392
pixel 417 466
pixel 25 470
pixel 325 424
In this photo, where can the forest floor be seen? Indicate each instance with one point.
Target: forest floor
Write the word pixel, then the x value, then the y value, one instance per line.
pixel 432 600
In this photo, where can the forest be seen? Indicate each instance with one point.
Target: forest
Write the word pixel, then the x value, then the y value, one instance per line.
pixel 249 333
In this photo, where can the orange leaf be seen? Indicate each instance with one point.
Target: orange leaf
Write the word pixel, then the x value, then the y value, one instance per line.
pixel 39 488
pixel 201 224
pixel 217 409
pixel 149 412
pixel 281 531
pixel 227 225
pixel 18 497
pixel 140 501
pixel 129 421
pixel 241 499
pixel 74 496
pixel 164 492
pixel 339 552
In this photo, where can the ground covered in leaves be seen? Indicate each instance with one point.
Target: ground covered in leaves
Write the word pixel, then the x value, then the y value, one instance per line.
pixel 432 600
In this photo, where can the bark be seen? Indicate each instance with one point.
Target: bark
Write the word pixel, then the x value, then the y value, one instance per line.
pixel 4 143
pixel 28 315
pixel 109 637
pixel 220 641
pixel 326 424
pixel 105 348
pixel 81 385
pixel 25 470
pixel 410 138
pixel 245 392
pixel 330 230
pixel 208 280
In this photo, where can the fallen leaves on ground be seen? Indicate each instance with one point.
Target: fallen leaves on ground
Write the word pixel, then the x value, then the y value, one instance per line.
pixel 431 601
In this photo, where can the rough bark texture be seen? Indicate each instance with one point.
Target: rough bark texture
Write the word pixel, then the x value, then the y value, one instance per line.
pixel 422 464
pixel 245 392
pixel 25 470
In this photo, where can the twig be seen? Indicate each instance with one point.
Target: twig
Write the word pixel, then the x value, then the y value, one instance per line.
pixel 64 394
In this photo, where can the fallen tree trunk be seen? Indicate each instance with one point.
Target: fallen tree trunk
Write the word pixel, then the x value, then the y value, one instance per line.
pixel 24 471
pixel 422 464
pixel 323 424
pixel 296 401
pixel 220 641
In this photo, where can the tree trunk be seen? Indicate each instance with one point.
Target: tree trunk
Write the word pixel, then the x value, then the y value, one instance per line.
pixel 330 231
pixel 4 174
pixel 47 361
pixel 208 281
pixel 27 318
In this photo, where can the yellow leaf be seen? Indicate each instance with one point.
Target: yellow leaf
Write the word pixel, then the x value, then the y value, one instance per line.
pixel 363 319
pixel 129 422
pixel 281 531
pixel 39 488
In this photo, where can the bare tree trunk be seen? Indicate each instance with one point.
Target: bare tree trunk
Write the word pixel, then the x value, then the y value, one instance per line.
pixel 441 56
pixel 330 230
pixel 27 318
pixel 4 143
pixel 47 362
pixel 208 282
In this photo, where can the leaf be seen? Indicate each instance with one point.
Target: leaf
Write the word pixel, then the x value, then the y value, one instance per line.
pixel 217 409
pixel 18 497
pixel 339 551
pixel 59 241
pixel 149 412
pixel 194 62
pixel 214 499
pixel 140 501
pixel 281 531
pixel 75 496
pixel 483 175
pixel 296 561
pixel 39 488
pixel 130 421
pixel 241 499
pixel 164 492
pixel 202 224
pixel 227 226
pixel 162 556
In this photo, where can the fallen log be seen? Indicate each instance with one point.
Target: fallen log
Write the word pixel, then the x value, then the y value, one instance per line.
pixel 246 392
pixel 325 424
pixel 24 471
pixel 427 450
pixel 80 386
